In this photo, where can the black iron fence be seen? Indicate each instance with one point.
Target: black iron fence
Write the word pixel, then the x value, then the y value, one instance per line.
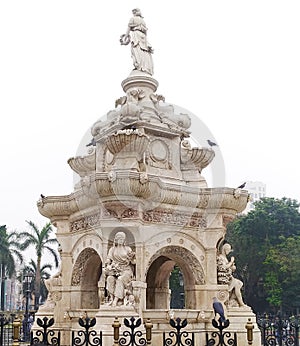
pixel 134 333
pixel 45 336
pixel 179 337
pixel 277 330
pixel 88 336
pixel 222 337
pixel 182 337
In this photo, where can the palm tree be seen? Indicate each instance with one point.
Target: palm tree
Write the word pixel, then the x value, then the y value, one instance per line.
pixel 9 249
pixel 41 240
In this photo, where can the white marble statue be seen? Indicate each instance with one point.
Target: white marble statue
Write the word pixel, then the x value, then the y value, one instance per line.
pixel 141 50
pixel 119 270
pixel 226 268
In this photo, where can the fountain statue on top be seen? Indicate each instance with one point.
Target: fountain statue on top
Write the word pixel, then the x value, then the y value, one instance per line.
pixel 141 50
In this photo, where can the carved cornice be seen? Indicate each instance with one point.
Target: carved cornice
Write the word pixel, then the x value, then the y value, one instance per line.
pixel 224 199
pixel 130 185
pixel 157 216
pixel 177 218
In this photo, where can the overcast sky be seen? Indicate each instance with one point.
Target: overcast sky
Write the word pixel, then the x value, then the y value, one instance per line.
pixel 234 64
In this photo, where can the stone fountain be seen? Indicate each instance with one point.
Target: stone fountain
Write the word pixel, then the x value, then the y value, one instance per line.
pixel 140 207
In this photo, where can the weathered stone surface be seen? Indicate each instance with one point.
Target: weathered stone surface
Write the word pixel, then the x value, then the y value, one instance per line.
pixel 141 179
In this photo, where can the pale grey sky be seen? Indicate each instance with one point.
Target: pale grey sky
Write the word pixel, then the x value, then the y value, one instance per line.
pixel 233 64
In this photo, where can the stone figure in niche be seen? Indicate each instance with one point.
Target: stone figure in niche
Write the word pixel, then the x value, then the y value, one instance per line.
pixel 118 270
pixel 141 50
pixel 226 268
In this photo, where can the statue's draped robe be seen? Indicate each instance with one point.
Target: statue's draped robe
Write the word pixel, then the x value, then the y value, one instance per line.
pixel 120 256
pixel 140 48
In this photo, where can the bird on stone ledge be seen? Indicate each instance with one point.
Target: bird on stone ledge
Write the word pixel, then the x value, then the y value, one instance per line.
pixel 212 144
pixel 92 143
pixel 242 186
pixel 218 309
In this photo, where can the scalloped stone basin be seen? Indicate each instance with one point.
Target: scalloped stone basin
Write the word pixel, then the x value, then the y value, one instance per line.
pixel 83 164
pixel 200 157
pixel 127 141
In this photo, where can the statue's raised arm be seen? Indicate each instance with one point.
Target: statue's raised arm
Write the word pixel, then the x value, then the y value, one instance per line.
pixel 141 50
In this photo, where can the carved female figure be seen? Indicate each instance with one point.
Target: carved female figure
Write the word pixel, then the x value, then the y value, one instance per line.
pixel 141 50
pixel 225 275
pixel 119 269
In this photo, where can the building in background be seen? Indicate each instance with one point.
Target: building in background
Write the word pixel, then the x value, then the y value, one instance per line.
pixel 257 190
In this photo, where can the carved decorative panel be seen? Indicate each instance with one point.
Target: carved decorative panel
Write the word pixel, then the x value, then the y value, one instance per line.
pixel 79 266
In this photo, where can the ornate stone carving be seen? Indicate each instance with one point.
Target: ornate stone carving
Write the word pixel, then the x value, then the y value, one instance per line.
pixel 195 158
pixel 226 268
pixel 226 219
pixel 131 108
pixel 119 269
pixel 99 127
pixel 56 295
pixel 159 150
pixel 174 218
pixel 129 214
pixel 111 176
pixel 54 287
pixel 57 206
pixel 127 141
pixel 237 193
pixel 78 268
pixel 94 220
pixel 223 295
pixel 108 214
pixel 144 175
pixel 109 157
pixel 144 178
pixel 85 222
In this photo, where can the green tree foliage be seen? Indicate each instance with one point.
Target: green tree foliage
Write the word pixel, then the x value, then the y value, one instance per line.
pixel 176 285
pixel 254 238
pixel 9 252
pixel 42 241
pixel 283 276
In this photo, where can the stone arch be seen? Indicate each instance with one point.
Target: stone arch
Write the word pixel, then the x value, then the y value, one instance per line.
pixel 92 241
pixel 86 274
pixel 157 276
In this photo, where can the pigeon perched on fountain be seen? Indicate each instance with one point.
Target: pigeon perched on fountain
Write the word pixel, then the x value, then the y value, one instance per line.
pixel 218 309
pixel 242 186
pixel 212 144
